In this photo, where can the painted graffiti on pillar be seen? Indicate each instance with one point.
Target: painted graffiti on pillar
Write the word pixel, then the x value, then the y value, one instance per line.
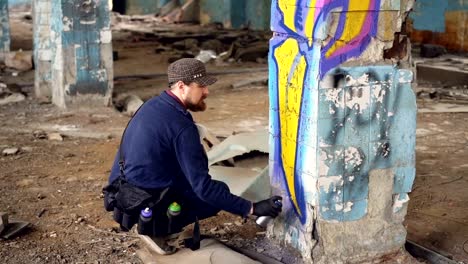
pixel 344 28
pixel 300 50
pixel 329 166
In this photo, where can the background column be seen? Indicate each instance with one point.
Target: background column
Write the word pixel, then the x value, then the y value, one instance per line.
pixel 4 27
pixel 74 58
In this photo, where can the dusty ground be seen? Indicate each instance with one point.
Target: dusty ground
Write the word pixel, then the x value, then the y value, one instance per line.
pixel 438 210
pixel 56 185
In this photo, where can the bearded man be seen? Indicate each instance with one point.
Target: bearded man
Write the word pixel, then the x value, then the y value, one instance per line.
pixel 161 153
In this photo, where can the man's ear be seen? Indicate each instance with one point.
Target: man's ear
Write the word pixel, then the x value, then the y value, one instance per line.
pixel 181 87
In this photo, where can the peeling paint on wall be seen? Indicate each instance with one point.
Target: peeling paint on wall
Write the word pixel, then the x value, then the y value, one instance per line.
pixel 4 27
pixel 76 36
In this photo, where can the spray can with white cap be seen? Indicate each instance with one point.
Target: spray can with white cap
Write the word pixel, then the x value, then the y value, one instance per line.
pixel 145 225
pixel 263 221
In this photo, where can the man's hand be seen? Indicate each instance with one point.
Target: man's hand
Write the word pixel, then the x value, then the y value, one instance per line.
pixel 269 207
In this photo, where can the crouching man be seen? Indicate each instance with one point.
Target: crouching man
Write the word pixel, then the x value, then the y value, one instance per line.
pixel 160 178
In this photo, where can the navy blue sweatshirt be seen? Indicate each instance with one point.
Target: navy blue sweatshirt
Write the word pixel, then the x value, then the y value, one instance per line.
pixel 162 148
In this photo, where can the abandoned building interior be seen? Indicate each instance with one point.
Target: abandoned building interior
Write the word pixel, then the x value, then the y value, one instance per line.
pixel 354 111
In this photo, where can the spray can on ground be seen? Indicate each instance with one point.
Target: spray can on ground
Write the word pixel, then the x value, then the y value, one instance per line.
pixel 263 221
pixel 145 226
pixel 173 210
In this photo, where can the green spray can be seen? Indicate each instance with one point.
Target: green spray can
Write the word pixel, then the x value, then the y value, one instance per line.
pixel 173 211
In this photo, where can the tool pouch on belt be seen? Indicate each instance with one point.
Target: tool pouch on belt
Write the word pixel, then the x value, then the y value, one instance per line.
pixel 127 200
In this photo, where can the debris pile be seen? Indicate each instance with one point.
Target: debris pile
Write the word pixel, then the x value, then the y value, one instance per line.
pixel 11 94
pixel 128 104
pixel 454 95
pixel 19 60
pixel 188 40
pixel 432 51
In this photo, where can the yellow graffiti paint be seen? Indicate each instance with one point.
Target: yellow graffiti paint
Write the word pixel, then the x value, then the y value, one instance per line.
pixel 353 24
pixel 289 97
pixel 310 21
pixel 289 10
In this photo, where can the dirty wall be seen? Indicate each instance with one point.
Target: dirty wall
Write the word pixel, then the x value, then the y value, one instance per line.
pixel 442 22
pixel 73 52
pixel 4 27
pixel 342 128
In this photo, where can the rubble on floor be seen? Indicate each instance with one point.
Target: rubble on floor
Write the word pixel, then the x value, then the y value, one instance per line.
pixel 19 60
pixel 128 104
pixel 188 40
pixel 444 71
pixel 10 151
pixel 432 50
pixel 10 94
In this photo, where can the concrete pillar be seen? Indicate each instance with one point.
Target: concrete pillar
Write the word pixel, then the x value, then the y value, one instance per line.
pixel 236 13
pixel 216 11
pixel 257 14
pixel 73 51
pixel 4 27
pixel 342 127
pixel 42 15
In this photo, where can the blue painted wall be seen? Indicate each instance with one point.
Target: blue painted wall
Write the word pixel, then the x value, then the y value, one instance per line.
pixel 4 27
pixel 430 14
pixel 257 14
pixel 442 22
pixel 76 47
pixel 15 3
pixel 84 37
pixel 254 14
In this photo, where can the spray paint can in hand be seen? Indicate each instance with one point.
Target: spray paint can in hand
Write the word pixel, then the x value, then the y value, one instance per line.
pixel 173 210
pixel 145 226
pixel 263 221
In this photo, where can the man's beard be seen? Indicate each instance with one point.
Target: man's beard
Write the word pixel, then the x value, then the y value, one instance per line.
pixel 199 107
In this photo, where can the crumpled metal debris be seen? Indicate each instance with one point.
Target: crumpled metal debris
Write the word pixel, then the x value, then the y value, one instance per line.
pixel 10 228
